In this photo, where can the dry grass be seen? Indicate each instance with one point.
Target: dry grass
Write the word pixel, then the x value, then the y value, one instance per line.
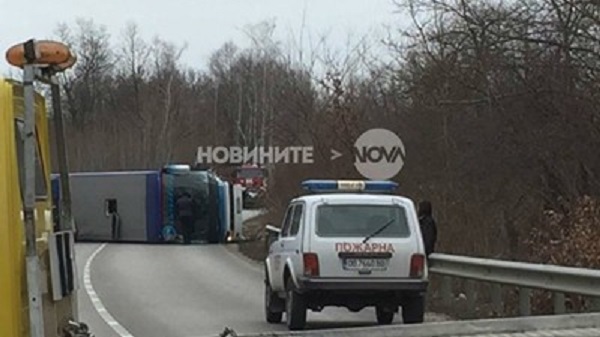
pixel 570 238
pixel 254 230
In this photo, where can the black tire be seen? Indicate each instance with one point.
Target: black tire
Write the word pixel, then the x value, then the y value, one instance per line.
pixel 413 310
pixel 384 315
pixel 271 313
pixel 295 307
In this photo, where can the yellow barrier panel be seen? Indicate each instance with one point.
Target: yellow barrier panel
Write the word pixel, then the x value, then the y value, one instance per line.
pixel 13 286
pixel 13 313
pixel 26 305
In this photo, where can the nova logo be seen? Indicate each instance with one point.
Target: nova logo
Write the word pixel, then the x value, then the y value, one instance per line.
pixel 379 154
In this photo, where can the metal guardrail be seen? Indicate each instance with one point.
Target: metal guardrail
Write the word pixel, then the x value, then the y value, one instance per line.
pixel 560 280
pixel 525 276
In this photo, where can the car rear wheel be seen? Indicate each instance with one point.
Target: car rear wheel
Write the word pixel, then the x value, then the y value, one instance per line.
pixel 295 305
pixel 413 309
pixel 384 315
pixel 272 312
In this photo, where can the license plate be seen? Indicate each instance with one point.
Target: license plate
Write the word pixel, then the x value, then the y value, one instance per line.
pixel 365 264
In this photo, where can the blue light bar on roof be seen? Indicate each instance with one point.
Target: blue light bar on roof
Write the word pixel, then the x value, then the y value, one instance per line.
pixel 373 186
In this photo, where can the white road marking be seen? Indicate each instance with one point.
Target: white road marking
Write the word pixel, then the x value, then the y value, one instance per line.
pixel 100 308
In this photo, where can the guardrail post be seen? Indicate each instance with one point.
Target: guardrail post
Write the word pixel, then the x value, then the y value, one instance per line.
pixel 524 302
pixel 525 277
pixel 559 303
pixel 595 304
pixel 471 297
pixel 446 290
pixel 497 298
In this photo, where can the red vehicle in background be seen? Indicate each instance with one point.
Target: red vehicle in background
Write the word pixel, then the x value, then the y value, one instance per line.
pixel 252 178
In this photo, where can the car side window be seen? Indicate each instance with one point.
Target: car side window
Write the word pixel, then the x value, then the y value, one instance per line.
pixel 296 218
pixel 285 227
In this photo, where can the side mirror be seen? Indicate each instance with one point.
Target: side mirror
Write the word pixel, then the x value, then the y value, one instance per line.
pixel 272 235
pixel 272 230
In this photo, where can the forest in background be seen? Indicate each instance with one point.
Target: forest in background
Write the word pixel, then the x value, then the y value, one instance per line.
pixel 496 103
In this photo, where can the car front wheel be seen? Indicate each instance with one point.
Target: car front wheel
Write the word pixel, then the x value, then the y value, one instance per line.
pixel 272 313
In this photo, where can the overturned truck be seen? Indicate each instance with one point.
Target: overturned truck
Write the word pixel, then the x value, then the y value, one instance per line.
pixel 139 206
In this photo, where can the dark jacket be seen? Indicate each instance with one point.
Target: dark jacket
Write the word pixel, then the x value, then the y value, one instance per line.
pixel 185 207
pixel 429 232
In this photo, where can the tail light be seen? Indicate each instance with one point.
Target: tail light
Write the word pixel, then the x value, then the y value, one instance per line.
pixel 311 264
pixel 417 265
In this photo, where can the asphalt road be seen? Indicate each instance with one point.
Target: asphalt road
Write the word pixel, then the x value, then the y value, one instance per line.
pixel 148 290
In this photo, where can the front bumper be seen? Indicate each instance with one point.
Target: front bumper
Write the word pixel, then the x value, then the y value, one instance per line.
pixel 360 284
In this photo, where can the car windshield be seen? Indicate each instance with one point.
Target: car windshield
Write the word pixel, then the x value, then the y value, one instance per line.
pixel 361 220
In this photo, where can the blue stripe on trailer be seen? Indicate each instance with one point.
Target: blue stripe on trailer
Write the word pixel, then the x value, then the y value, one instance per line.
pixel 224 209
pixel 55 186
pixel 153 207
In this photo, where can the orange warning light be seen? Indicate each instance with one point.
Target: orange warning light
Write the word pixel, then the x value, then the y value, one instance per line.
pixel 66 65
pixel 48 53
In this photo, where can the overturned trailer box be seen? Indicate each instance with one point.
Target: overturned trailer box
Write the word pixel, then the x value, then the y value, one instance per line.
pixel 116 206
pixel 141 206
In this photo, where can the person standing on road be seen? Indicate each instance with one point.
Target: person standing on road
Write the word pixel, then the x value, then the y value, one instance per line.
pixel 185 214
pixel 428 226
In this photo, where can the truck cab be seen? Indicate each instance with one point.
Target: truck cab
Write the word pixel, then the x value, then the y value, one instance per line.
pixel 352 244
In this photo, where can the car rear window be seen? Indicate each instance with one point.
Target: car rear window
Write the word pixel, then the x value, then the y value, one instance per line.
pixel 361 220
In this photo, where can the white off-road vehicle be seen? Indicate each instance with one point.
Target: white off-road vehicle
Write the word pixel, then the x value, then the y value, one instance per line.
pixel 346 243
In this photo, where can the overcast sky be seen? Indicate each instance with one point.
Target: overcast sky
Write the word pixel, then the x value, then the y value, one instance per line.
pixel 204 25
